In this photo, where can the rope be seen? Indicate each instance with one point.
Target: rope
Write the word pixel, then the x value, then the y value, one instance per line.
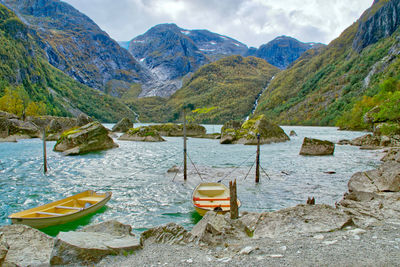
pixel 265 172
pixel 177 171
pixel 234 169
pixel 249 171
pixel 195 167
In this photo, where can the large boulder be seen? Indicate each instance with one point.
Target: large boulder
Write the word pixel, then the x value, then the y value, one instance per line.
pixel 122 126
pixel 26 246
pixel 90 244
pixel 88 138
pixel 171 129
pixel 170 233
pixel 143 134
pixel 315 147
pixel 301 219
pixel 249 130
pixel 384 179
pixel 18 128
pixel 215 229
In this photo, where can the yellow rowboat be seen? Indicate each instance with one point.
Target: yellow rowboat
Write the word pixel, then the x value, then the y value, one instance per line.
pixel 62 211
pixel 211 196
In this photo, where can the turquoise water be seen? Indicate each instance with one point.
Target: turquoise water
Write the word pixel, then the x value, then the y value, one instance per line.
pixel 145 195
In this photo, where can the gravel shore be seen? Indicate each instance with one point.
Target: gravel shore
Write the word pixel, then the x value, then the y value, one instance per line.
pixel 377 246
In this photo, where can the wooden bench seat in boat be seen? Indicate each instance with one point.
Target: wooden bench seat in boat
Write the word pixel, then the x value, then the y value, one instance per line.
pixel 48 213
pixel 92 200
pixel 211 205
pixel 68 208
pixel 211 199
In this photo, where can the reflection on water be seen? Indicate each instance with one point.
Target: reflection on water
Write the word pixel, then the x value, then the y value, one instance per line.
pixel 144 194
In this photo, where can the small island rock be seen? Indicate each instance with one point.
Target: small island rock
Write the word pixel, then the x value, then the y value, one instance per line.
pixel 88 138
pixel 247 133
pixel 292 133
pixel 143 134
pixel 315 147
pixel 122 126
pixel 171 129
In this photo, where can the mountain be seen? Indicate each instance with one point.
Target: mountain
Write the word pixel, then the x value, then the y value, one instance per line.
pixel 219 91
pixel 25 72
pixel 282 51
pixel 326 83
pixel 77 46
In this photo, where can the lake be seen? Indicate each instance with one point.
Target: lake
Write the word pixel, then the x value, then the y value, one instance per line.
pixel 145 195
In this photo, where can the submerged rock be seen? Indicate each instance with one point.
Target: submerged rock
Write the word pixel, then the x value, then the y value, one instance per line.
pixel 122 126
pixel 232 133
pixel 88 138
pixel 292 133
pixel 93 243
pixel 315 147
pixel 26 246
pixel 171 129
pixel 143 134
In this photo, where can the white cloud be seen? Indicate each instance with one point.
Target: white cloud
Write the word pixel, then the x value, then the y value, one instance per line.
pixel 253 22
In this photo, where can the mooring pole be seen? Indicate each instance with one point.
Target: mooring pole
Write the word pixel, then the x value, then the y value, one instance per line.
pixel 258 160
pixel 44 152
pixel 184 147
pixel 234 210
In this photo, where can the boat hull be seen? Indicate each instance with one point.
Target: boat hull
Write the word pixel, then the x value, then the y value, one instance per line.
pixel 29 217
pixel 211 196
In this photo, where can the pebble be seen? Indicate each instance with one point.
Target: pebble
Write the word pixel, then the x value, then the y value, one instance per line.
pixel 329 242
pixel 276 256
pixel 246 250
pixel 356 237
pixel 357 231
pixel 319 237
pixel 283 248
pixel 226 259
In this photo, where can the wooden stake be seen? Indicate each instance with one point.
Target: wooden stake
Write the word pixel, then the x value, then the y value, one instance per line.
pixel 258 160
pixel 184 147
pixel 233 200
pixel 44 152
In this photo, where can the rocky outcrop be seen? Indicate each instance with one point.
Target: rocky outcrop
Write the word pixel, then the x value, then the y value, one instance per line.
pixel 18 128
pixel 370 141
pixel 374 195
pixel 378 22
pixel 315 147
pixel 122 126
pixel 171 129
pixel 93 243
pixel 170 233
pixel 26 246
pixel 142 134
pixel 247 133
pixel 88 138
pixel 301 219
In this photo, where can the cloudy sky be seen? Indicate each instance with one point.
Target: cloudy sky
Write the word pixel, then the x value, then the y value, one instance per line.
pixel 252 22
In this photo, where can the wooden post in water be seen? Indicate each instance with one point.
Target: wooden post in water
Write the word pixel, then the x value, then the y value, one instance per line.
pixel 258 160
pixel 184 147
pixel 44 152
pixel 234 210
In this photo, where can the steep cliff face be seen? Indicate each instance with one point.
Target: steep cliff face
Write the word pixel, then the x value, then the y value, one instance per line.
pixel 325 83
pixel 27 76
pixel 376 23
pixel 282 51
pixel 76 45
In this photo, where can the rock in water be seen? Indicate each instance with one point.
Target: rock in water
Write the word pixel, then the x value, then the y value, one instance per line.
pixel 122 126
pixel 93 243
pixel 143 134
pixel 26 246
pixel 247 133
pixel 83 119
pixel 88 138
pixel 171 129
pixel 315 147
pixel 292 133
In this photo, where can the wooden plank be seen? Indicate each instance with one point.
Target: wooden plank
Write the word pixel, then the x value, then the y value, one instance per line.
pixel 68 208
pixel 210 199
pixel 48 213
pixel 211 205
pixel 233 201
